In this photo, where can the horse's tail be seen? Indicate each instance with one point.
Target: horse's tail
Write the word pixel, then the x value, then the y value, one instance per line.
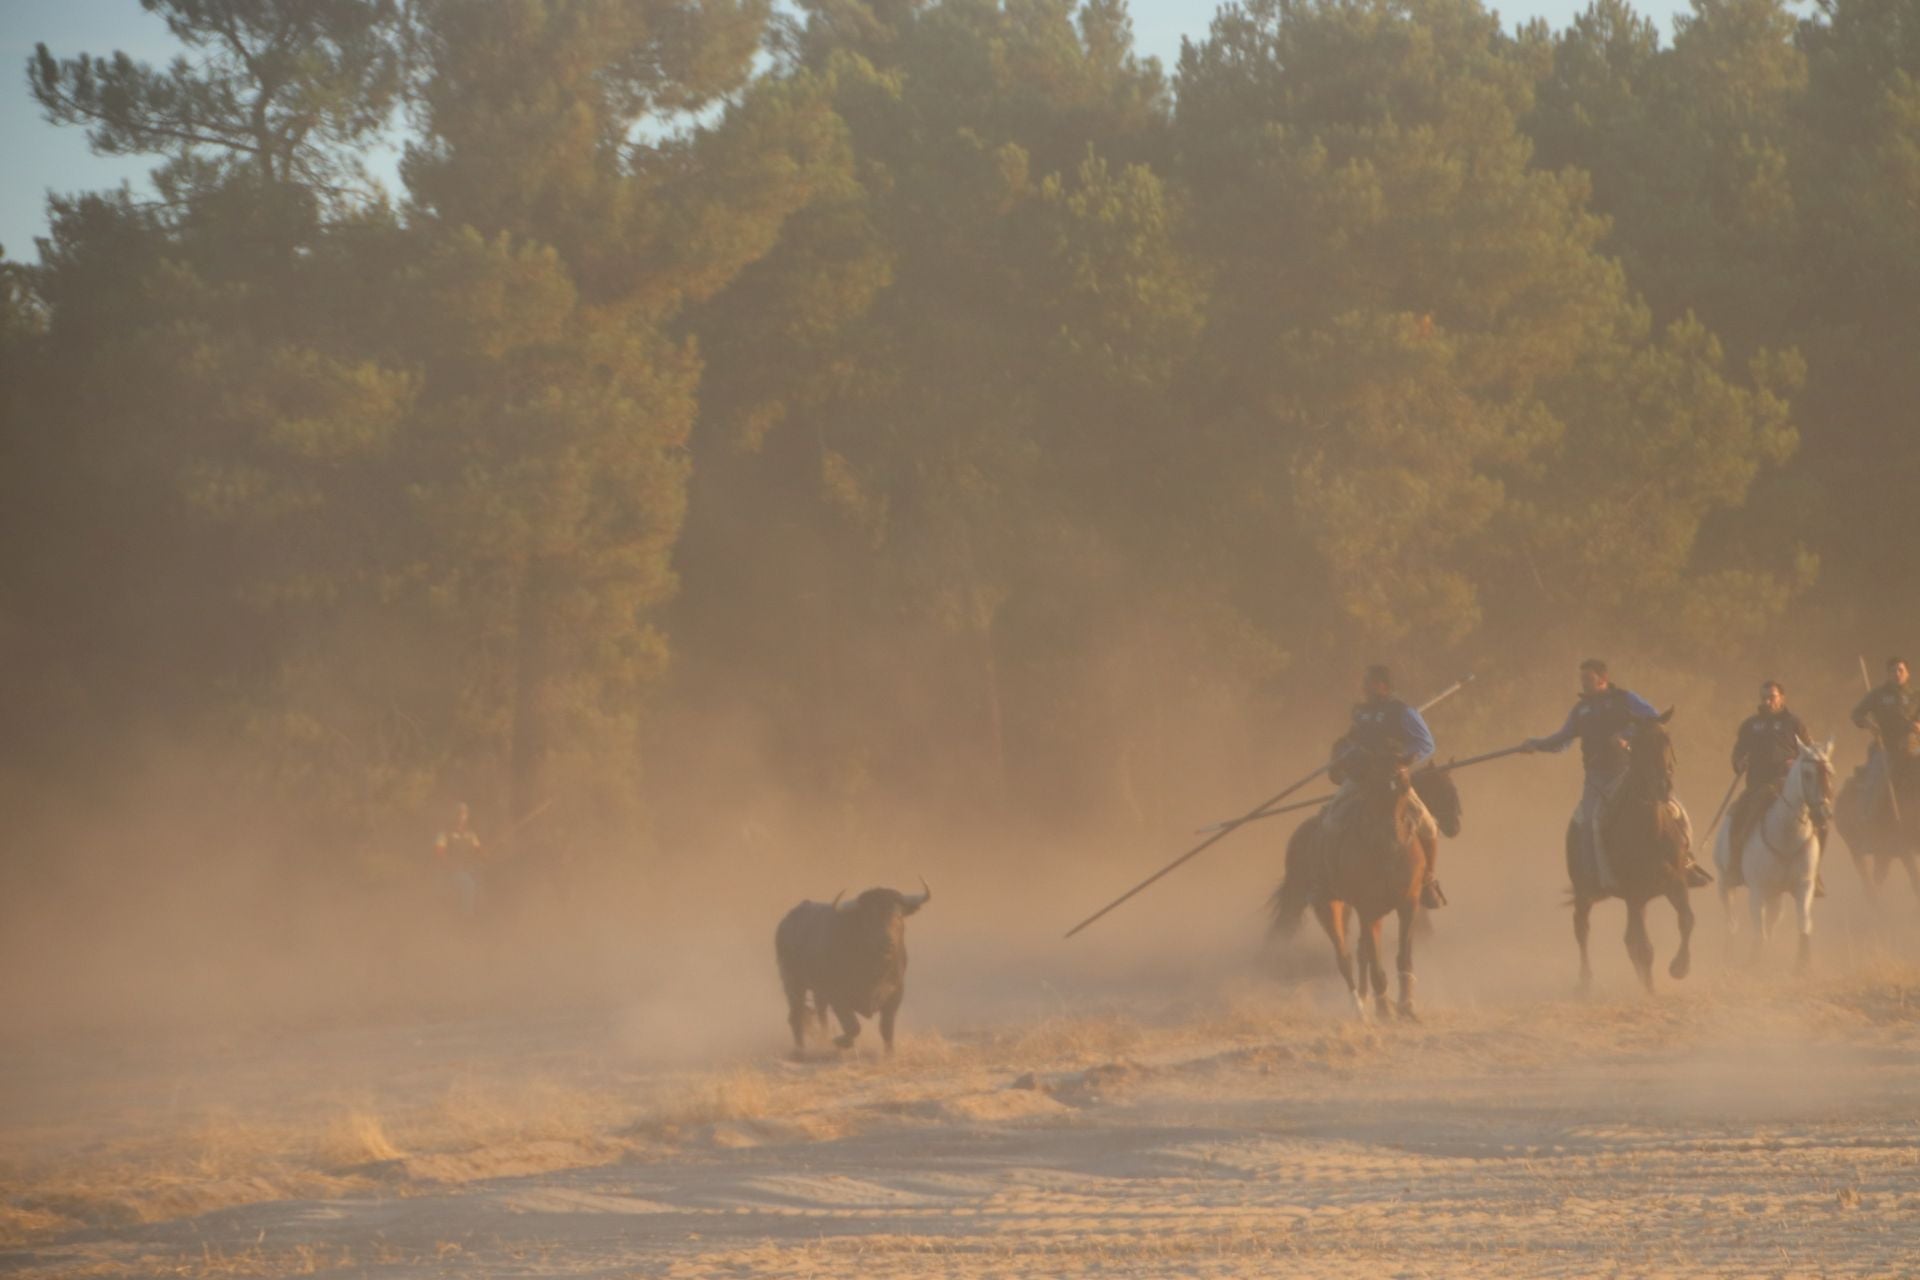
pixel 1286 907
pixel 1294 894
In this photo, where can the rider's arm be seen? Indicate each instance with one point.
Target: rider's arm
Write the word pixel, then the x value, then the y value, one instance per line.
pixel 1741 750
pixel 1557 741
pixel 1864 708
pixel 1415 737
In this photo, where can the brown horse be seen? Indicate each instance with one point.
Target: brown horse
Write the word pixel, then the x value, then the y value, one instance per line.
pixel 1372 869
pixel 1648 847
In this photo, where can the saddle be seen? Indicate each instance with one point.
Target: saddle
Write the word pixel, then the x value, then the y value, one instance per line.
pixel 1747 812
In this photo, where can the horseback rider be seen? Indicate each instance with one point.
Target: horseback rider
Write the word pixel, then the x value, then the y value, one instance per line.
pixel 1600 720
pixel 1764 750
pixel 1892 711
pixel 459 855
pixel 1384 729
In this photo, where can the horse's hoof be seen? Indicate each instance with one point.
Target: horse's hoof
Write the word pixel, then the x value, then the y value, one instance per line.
pixel 1406 1013
pixel 1682 965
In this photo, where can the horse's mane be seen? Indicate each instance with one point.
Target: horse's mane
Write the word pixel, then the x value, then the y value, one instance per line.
pixel 1650 761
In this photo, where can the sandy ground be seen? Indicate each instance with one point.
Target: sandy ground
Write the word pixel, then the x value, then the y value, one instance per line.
pixel 1742 1126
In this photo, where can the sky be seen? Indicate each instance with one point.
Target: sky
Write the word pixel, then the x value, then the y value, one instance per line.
pixel 39 157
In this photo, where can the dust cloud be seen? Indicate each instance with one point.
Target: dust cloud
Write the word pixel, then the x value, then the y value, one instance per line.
pixel 192 1023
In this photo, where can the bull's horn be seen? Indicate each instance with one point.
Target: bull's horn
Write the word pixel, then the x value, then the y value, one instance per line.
pixel 915 903
pixel 837 897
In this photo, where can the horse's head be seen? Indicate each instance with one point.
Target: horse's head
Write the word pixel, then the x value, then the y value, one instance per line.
pixel 1649 748
pixel 1810 782
pixel 1371 769
pixel 1437 791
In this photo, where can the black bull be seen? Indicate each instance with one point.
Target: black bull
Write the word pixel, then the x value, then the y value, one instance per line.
pixel 852 957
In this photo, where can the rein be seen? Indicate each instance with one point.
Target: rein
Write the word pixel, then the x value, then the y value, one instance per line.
pixel 1800 811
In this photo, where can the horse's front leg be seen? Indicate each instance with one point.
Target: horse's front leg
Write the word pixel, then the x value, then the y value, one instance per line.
pixel 1803 912
pixel 1757 910
pixel 1582 926
pixel 1725 889
pixel 1913 873
pixel 1405 961
pixel 1333 918
pixel 1682 959
pixel 1375 966
pixel 1639 945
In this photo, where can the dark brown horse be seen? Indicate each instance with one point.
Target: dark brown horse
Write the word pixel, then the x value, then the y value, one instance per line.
pixel 1648 846
pixel 1864 816
pixel 1372 869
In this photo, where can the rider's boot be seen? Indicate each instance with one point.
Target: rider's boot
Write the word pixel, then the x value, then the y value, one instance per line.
pixel 1698 877
pixel 1430 895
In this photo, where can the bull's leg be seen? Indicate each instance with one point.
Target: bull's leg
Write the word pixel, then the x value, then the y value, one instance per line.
pixel 1405 961
pixel 1682 959
pixel 849 1026
pixel 1375 966
pixel 1333 918
pixel 887 1012
pixel 1582 926
pixel 1639 945
pixel 797 1015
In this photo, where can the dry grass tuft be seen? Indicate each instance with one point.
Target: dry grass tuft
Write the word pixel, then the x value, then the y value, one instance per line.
pixel 356 1138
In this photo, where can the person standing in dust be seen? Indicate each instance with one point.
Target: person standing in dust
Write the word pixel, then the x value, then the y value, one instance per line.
pixel 457 852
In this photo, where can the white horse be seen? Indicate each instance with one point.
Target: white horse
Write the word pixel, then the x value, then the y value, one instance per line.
pixel 1781 857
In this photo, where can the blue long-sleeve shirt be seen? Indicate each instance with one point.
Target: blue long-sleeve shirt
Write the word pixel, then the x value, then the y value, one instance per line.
pixel 1596 720
pixel 1392 726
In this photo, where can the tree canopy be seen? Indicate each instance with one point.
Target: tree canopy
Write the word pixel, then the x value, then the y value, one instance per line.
pixel 942 397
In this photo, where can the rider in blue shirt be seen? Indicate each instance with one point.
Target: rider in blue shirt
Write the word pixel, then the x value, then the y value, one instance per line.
pixel 1598 720
pixel 1384 726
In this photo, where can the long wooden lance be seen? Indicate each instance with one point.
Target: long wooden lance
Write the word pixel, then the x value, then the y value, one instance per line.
pixel 1886 756
pixel 1298 805
pixel 1720 813
pixel 1262 810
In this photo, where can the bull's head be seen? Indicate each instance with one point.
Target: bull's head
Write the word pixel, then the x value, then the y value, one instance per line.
pixel 884 902
pixel 878 916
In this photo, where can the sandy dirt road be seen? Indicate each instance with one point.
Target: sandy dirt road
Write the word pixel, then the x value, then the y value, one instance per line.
pixel 1743 1128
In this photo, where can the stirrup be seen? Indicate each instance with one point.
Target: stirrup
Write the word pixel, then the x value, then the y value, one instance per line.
pixel 1430 896
pixel 1698 877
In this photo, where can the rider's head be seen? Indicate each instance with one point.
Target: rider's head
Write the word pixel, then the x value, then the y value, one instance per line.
pixel 1897 670
pixel 1593 676
pixel 1376 683
pixel 1773 696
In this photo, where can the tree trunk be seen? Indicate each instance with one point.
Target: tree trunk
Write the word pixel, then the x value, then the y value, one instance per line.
pixel 527 748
